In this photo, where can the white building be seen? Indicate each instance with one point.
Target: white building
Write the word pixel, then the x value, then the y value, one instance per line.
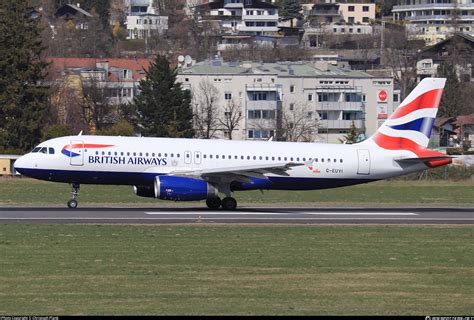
pixel 434 20
pixel 143 21
pixel 265 91
pixel 242 16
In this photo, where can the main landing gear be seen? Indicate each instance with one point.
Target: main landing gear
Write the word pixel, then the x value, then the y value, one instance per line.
pixel 72 204
pixel 228 203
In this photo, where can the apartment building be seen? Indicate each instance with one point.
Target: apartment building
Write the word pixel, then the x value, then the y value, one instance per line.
pixel 266 92
pixel 358 13
pixel 435 20
pixel 249 17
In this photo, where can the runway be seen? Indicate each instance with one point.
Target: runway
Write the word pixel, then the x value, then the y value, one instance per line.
pixel 245 215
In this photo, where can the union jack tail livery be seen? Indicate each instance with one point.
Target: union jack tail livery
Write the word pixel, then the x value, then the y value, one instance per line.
pixel 409 127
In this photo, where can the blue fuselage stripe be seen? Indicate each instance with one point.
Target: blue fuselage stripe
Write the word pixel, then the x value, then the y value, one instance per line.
pixel 146 178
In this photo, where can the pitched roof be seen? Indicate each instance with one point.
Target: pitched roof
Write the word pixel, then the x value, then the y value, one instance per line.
pixel 137 66
pixel 62 10
pixel 465 120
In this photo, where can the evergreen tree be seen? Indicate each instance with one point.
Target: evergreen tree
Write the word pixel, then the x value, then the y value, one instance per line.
pixel 23 102
pixel 451 102
pixel 164 109
pixel 351 136
pixel 291 9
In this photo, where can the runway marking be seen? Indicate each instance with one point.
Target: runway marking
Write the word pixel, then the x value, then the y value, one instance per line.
pixel 291 213
pixel 245 219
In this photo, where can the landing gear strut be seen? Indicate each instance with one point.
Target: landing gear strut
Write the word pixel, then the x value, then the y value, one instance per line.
pixel 72 204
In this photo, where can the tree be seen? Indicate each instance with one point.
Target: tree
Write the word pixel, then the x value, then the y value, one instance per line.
pixel 97 107
pixel 399 55
pixel 451 103
pixel 232 117
pixel 291 9
pixel 299 124
pixel 351 136
pixel 164 109
pixel 23 101
pixel 206 118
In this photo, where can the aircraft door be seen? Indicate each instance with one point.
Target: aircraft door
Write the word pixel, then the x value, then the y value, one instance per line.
pixel 363 162
pixel 76 156
pixel 187 157
pixel 197 157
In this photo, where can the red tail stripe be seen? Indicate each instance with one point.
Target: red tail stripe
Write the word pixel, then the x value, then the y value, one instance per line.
pixel 397 143
pixel 429 99
pixel 88 145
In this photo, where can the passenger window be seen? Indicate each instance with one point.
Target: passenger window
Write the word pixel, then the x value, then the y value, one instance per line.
pixel 171 155
pixel 51 151
pixel 103 153
pixel 304 159
pixel 230 157
pixel 177 155
pixel 322 159
pixel 248 157
pixel 261 158
pixel 121 153
pixel 134 154
pixel 97 153
pixel 242 157
pixel 166 155
pixel 273 158
pixel 115 153
pixel 140 154
pixel 329 160
pixel 315 159
pixel 210 156
pixel 279 158
pixel 286 158
pixel 340 161
pixel 335 160
pixel 146 154
pixel 266 158
pixel 187 155
pixel 235 157
pixel 204 156
pixel 217 156
pixel 128 154
pixel 254 157
pixel 159 155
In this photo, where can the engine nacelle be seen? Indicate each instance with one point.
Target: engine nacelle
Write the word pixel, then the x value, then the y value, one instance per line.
pixel 178 189
pixel 145 191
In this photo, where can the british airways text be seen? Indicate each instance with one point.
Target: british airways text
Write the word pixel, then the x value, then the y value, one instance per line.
pixel 129 160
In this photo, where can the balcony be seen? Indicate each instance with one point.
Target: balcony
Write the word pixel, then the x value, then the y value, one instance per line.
pixel 258 29
pixel 263 104
pixel 431 6
pixel 439 17
pixel 340 124
pixel 340 106
pixel 322 13
pixel 263 17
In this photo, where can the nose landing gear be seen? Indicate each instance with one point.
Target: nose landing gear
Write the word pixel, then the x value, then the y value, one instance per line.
pixel 72 204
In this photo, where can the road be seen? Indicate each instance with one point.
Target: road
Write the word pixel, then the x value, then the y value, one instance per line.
pixel 267 215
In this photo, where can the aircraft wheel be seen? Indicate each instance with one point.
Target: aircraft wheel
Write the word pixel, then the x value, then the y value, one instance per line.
pixel 213 203
pixel 72 204
pixel 229 203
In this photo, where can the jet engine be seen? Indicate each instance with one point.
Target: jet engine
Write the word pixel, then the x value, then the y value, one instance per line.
pixel 178 189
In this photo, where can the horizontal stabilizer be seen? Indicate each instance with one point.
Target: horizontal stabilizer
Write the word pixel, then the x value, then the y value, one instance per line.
pixel 423 159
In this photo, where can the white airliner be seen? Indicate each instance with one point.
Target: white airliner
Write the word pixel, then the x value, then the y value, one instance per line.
pixel 194 169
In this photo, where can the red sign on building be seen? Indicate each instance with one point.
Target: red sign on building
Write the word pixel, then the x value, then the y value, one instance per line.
pixel 382 96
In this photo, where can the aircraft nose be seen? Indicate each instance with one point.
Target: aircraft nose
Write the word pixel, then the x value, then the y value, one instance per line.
pixel 21 164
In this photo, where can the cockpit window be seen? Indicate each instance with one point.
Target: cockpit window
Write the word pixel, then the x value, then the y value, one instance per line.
pixel 35 150
pixel 51 150
pixel 44 150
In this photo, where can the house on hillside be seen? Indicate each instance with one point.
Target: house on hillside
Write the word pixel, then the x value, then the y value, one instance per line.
pixel 74 16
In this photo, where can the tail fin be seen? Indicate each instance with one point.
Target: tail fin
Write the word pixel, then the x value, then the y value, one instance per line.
pixel 409 127
pixel 411 124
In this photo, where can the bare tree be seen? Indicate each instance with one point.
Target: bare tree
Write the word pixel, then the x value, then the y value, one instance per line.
pixel 97 107
pixel 400 56
pixel 232 117
pixel 206 108
pixel 299 124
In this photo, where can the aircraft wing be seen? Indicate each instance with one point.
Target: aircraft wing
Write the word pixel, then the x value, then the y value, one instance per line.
pixel 240 174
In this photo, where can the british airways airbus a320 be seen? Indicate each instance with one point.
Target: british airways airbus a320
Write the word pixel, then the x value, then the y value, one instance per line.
pixel 193 169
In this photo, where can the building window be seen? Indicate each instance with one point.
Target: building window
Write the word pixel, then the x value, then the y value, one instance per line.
pixel 323 115
pixel 351 19
pixel 292 89
pixel 365 8
pixel 228 96
pixel 365 19
pixel 292 106
pixel 351 8
pixel 310 97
